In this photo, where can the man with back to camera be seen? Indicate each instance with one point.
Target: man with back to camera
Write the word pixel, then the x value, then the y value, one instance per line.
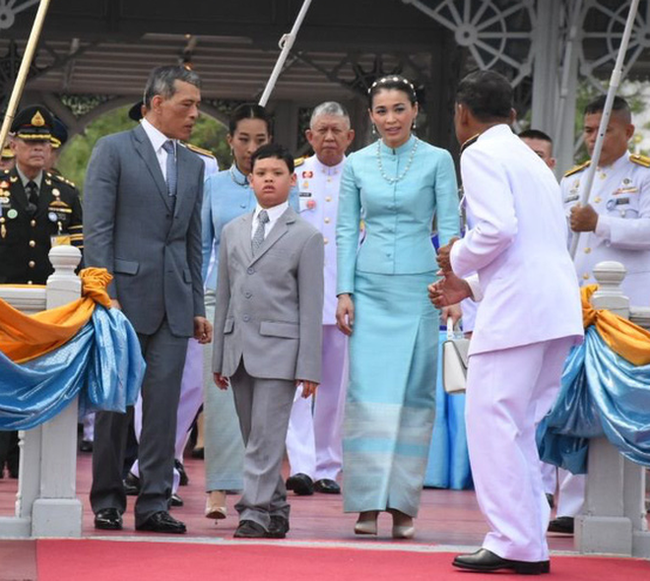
pixel 614 225
pixel 528 319
pixel 142 202
pixel 314 442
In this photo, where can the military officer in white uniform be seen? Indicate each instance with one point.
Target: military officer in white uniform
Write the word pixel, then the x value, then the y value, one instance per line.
pixel 614 225
pixel 314 438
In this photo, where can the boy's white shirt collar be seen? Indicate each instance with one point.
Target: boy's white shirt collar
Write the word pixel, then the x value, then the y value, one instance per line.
pixel 274 214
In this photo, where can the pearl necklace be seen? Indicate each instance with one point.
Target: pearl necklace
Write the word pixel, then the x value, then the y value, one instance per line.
pixel 406 169
pixel 244 184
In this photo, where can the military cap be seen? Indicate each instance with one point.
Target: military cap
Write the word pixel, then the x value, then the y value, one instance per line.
pixel 135 112
pixel 59 133
pixel 7 152
pixel 33 123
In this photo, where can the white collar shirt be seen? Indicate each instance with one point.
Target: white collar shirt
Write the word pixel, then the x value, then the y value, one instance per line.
pixel 274 215
pixel 158 139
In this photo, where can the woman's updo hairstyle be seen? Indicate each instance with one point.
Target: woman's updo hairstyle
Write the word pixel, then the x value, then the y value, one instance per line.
pixel 249 111
pixel 392 82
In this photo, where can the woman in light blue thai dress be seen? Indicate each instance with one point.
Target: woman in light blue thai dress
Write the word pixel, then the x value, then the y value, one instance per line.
pixel 227 196
pixel 396 185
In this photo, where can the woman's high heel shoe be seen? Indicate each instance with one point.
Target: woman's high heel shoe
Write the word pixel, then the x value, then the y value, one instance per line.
pixel 403 527
pixel 215 505
pixel 367 523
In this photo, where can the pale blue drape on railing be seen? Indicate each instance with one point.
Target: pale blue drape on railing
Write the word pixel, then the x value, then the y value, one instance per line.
pixel 601 394
pixel 102 363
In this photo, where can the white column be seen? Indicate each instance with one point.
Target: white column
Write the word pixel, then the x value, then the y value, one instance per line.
pixel 614 512
pixel 58 512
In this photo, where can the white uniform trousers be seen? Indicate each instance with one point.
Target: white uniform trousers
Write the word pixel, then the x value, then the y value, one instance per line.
pixel 571 494
pixel 314 439
pixel 505 391
pixel 549 477
pixel 188 406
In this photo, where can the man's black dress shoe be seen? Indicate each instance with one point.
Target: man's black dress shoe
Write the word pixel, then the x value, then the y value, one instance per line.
pixel 175 501
pixel 131 485
pixel 301 484
pixel 85 446
pixel 184 481
pixel 484 561
pixel 327 486
pixel 278 528
pixel 108 519
pixel 162 522
pixel 562 524
pixel 198 453
pixel 247 529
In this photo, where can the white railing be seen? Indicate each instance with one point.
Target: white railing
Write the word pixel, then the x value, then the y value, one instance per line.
pixel 46 503
pixel 614 514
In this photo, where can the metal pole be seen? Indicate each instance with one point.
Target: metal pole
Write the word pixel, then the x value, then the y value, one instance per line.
pixel 614 83
pixel 286 42
pixel 21 78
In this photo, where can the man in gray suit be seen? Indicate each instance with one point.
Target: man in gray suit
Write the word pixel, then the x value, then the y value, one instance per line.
pixel 268 321
pixel 142 208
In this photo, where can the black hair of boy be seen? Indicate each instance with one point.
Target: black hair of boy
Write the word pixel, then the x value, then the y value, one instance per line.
pixel 274 150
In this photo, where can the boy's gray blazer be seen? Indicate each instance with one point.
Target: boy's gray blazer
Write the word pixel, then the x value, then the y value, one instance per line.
pixel 269 308
pixel 150 245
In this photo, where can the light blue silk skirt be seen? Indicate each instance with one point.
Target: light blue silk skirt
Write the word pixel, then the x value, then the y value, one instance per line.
pixel 390 405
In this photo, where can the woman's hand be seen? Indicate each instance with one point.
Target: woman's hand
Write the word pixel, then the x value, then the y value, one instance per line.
pixel 220 381
pixel 345 314
pixel 453 311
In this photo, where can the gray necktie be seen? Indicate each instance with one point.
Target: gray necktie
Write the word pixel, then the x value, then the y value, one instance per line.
pixel 168 146
pixel 258 237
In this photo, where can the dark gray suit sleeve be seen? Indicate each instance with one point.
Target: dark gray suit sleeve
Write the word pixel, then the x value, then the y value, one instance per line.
pixel 222 303
pixel 100 200
pixel 195 250
pixel 310 303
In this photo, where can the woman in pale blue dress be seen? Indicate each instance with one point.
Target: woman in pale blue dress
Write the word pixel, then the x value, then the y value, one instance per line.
pixel 226 196
pixel 396 185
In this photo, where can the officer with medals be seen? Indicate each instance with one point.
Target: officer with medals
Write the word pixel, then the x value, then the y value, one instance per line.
pixel 37 208
pixel 614 225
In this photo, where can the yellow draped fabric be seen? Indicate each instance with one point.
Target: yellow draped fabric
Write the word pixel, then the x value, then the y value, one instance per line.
pixel 623 337
pixel 24 337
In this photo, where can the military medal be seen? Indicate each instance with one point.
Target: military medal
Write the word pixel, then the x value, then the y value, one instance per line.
pixel 3 229
pixel 4 184
pixel 56 193
pixel 11 214
pixel 52 217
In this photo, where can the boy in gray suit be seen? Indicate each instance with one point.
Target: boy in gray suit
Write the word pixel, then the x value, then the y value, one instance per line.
pixel 268 332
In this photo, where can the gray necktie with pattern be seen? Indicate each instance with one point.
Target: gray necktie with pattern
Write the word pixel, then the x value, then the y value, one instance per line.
pixel 258 237
pixel 168 146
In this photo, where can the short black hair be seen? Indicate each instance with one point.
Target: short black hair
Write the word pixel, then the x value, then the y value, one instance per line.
pixel 273 150
pixel 487 94
pixel 535 134
pixel 161 82
pixel 620 106
pixel 392 82
pixel 248 111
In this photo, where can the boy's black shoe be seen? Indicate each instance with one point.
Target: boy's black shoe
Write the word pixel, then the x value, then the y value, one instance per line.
pixel 247 529
pixel 278 528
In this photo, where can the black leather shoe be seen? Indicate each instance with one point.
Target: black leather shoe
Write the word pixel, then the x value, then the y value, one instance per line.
pixel 198 453
pixel 108 519
pixel 485 561
pixel 327 486
pixel 175 501
pixel 85 446
pixel 184 481
pixel 162 522
pixel 562 524
pixel 131 485
pixel 278 528
pixel 301 484
pixel 247 529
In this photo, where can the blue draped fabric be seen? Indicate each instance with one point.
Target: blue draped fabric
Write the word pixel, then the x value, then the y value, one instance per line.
pixel 102 363
pixel 601 394
pixel 448 465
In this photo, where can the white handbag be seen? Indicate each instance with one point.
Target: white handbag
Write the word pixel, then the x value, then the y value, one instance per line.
pixel 454 360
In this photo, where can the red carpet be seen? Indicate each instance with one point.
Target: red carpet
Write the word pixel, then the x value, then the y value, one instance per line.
pixel 89 560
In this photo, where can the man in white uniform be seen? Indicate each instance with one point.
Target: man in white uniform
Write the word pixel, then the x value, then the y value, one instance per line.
pixel 314 438
pixel 527 321
pixel 614 225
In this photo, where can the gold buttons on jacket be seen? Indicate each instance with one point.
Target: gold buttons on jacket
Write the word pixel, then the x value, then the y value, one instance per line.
pixel 325 240
pixel 32 243
pixel 585 276
pixel 587 250
pixel 598 199
pixel 327 220
pixel 328 199
pixel 31 264
pixel 33 223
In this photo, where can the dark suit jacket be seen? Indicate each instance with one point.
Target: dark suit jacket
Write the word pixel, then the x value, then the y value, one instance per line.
pixel 150 245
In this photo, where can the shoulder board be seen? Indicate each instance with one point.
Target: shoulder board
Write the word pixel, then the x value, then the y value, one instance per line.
pixel 300 160
pixel 577 168
pixel 60 178
pixel 198 150
pixel 469 142
pixel 639 159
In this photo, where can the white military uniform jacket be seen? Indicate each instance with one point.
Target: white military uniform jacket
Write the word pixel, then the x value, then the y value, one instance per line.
pixel 318 185
pixel 621 196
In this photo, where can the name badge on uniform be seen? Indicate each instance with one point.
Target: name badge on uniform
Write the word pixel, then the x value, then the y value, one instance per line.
pixel 572 198
pixel 305 194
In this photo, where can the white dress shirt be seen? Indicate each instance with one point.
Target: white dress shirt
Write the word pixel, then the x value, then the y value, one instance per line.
pixel 157 139
pixel 274 215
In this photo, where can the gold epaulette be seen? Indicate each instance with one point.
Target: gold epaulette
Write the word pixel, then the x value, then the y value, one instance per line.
pixel 639 159
pixel 299 161
pixel 60 178
pixel 199 150
pixel 469 142
pixel 577 169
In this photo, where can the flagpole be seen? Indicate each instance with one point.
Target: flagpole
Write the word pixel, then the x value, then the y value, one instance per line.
pixel 286 42
pixel 614 83
pixel 25 64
